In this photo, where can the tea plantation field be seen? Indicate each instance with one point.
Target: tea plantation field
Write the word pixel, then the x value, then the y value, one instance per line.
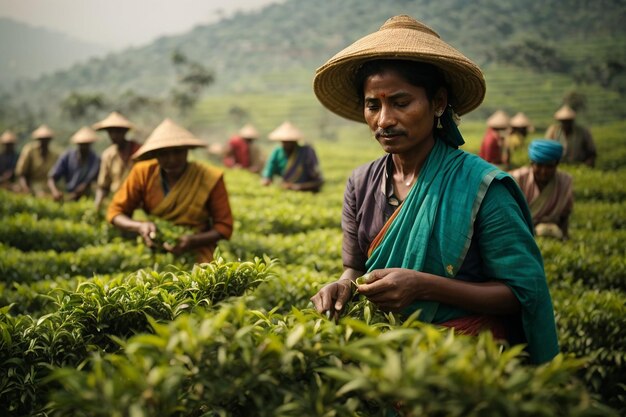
pixel 92 323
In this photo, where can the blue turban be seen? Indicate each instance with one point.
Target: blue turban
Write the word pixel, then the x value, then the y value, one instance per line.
pixel 545 151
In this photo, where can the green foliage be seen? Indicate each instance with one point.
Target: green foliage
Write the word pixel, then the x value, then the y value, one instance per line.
pixel 269 364
pixel 117 256
pixel 80 105
pixel 79 211
pixel 100 313
pixel 167 232
pixel 591 324
pixel 29 233
pixel 266 352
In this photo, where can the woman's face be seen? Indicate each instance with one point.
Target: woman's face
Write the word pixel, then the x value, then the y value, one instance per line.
pixel 400 114
pixel 172 160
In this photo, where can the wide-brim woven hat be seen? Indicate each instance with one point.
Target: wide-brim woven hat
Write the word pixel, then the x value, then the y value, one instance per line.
pixel 168 135
pixel 43 132
pixel 113 120
pixel 8 137
pixel 401 37
pixel 286 132
pixel 499 120
pixel 565 113
pixel 249 132
pixel 84 135
pixel 520 120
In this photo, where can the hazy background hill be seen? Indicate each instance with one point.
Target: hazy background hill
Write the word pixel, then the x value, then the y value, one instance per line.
pixel 533 54
pixel 28 52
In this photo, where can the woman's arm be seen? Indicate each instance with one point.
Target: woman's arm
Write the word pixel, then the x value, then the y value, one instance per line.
pixel 394 289
pixel 147 230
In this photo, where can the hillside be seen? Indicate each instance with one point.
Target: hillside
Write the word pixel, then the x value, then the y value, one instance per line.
pixel 29 52
pixel 532 52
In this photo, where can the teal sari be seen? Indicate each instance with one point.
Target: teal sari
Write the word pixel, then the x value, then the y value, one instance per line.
pixel 432 231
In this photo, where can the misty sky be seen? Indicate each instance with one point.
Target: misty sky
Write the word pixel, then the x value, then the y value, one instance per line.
pixel 123 23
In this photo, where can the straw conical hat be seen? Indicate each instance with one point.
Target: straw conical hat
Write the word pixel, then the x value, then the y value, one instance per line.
pixel 42 132
pixel 565 113
pixel 401 37
pixel 168 135
pixel 249 132
pixel 8 137
pixel 114 119
pixel 498 120
pixel 286 132
pixel 520 120
pixel 84 135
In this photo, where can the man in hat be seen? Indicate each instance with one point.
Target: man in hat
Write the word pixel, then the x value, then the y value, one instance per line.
pixel 578 144
pixel 243 152
pixel 492 148
pixel 296 163
pixel 520 126
pixel 548 191
pixel 116 159
pixel 78 168
pixel 8 159
pixel 35 161
pixel 165 184
pixel 436 229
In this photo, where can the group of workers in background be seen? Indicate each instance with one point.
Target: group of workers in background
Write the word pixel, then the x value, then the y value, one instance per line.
pixel 155 176
pixel 38 169
pixel 548 191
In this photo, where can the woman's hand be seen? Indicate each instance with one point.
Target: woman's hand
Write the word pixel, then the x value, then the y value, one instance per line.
pixel 184 244
pixel 394 289
pixel 332 298
pixel 148 231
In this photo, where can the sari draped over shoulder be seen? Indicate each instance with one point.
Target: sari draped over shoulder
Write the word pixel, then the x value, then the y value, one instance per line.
pixel 554 201
pixel 432 231
pixel 298 165
pixel 184 204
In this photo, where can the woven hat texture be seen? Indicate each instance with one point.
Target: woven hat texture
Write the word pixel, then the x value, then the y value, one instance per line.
pixel 401 37
pixel 520 120
pixel 249 132
pixel 84 135
pixel 565 113
pixel 286 132
pixel 168 135
pixel 114 119
pixel 8 137
pixel 498 120
pixel 42 132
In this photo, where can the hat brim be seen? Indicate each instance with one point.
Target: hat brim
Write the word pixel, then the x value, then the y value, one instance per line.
pixel 147 152
pixel 334 82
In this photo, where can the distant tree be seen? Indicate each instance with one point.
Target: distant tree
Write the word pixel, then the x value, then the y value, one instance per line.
pixel 183 100
pixel 79 105
pixel 178 58
pixel 238 114
pixel 535 54
pixel 131 102
pixel 576 100
pixel 192 79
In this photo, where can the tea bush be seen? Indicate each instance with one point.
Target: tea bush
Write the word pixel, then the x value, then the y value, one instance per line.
pixel 74 321
pixel 100 313
pixel 269 364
